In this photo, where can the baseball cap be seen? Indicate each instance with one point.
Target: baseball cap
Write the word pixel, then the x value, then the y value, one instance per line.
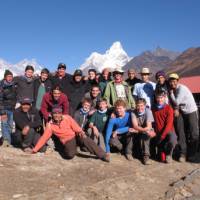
pixel 26 100
pixel 78 72
pixel 174 76
pixel 61 65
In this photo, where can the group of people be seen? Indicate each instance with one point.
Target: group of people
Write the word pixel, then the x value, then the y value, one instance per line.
pixel 101 113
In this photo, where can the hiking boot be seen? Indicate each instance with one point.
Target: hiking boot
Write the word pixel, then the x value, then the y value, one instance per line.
pixel 146 160
pixel 49 150
pixel 1 141
pixel 182 159
pixel 168 159
pixel 6 143
pixel 129 157
pixel 119 147
pixel 193 158
pixel 106 158
pixel 83 149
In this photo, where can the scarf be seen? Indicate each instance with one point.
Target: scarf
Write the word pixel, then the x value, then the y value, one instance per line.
pixel 7 84
pixel 83 112
pixel 141 113
pixel 159 107
pixel 29 80
pixel 102 112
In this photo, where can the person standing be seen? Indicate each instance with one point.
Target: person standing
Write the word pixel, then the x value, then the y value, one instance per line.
pixel 146 89
pixel 62 79
pixel 162 83
pixel 8 97
pixel 118 89
pixel 186 118
pixel 91 78
pixel 104 79
pixel 41 86
pixel 78 88
pixel 132 79
pixel 25 84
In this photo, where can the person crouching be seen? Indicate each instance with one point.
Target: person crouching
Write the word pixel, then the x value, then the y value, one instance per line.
pixel 27 121
pixel 166 138
pixel 69 133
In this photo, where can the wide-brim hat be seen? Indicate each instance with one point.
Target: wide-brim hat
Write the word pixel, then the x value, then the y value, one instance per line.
pixel 145 70
pixel 118 70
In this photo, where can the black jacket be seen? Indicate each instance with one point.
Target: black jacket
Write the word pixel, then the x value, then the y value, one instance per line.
pixel 25 87
pixel 76 94
pixel 90 83
pixel 37 82
pixel 63 83
pixel 31 118
pixel 132 82
pixel 8 96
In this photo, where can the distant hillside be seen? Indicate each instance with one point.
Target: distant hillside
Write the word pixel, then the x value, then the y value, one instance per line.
pixel 155 60
pixel 172 55
pixel 186 64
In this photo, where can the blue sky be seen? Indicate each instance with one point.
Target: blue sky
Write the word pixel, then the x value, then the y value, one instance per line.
pixel 53 31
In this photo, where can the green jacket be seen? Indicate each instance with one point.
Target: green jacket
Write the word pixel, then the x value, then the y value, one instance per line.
pixel 111 95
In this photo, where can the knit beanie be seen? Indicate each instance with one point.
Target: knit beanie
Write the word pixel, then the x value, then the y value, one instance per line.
pixel 160 73
pixel 7 72
pixel 29 67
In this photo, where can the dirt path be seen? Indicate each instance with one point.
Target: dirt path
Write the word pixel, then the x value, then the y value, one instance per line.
pixel 41 176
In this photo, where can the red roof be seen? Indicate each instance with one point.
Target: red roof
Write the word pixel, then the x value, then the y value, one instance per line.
pixel 193 83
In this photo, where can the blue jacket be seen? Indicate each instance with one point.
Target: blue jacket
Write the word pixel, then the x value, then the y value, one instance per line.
pixel 121 125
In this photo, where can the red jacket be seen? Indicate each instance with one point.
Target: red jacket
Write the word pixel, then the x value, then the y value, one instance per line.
pixel 48 102
pixel 164 119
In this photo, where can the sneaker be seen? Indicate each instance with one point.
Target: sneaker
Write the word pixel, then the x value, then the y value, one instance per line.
pixel 129 157
pixel 168 159
pixel 146 160
pixel 182 159
pixel 106 158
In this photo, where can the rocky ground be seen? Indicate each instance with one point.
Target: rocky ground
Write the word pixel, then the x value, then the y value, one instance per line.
pixel 48 176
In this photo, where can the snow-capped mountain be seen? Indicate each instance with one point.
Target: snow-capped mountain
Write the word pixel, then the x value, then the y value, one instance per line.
pixel 113 57
pixel 18 68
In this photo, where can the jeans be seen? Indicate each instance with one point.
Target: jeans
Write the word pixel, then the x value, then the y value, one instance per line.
pixel 7 126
